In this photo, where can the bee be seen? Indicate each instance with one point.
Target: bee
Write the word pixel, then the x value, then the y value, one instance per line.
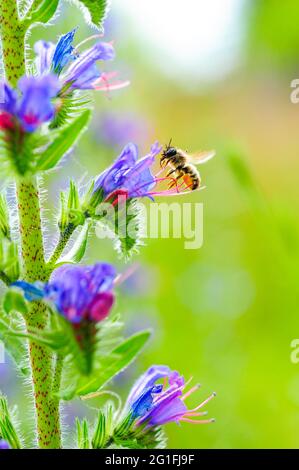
pixel 183 164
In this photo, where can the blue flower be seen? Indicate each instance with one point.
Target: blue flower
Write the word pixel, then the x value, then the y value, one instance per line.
pixel 35 106
pixel 78 292
pixel 44 54
pixel 4 445
pixel 63 52
pixel 77 70
pixel 155 404
pixel 83 72
pixel 129 174
pixel 8 103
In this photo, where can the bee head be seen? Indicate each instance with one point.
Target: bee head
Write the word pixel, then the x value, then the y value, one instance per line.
pixel 169 152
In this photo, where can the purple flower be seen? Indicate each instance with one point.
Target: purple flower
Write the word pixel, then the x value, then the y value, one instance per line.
pixel 129 174
pixel 129 177
pixel 36 107
pixel 9 101
pixel 4 445
pixel 78 292
pixel 83 72
pixel 155 404
pixel 44 54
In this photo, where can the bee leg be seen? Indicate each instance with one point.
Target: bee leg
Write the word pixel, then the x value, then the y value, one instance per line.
pixel 163 162
pixel 172 184
pixel 180 174
pixel 171 172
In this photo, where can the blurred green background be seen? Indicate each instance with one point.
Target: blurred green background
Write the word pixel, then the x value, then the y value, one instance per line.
pixel 216 75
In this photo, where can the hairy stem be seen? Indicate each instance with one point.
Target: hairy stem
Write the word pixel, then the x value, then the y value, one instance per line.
pixel 47 408
pixel 62 242
pixel 34 266
pixel 57 374
pixel 13 41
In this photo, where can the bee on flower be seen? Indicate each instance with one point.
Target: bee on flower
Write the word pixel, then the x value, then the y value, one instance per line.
pixel 129 177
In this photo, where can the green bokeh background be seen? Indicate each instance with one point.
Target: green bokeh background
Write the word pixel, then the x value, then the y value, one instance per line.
pixel 226 313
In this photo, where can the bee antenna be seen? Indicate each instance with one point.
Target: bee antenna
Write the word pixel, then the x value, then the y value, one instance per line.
pixel 168 146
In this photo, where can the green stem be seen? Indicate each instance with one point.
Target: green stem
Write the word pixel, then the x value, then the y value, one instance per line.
pixel 13 41
pixel 57 373
pixel 47 410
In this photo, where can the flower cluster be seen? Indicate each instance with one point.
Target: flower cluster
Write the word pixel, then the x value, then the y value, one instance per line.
pixel 60 69
pixel 153 404
pixel 79 293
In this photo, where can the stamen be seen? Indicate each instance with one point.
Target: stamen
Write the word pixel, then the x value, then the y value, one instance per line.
pixel 159 172
pixel 189 381
pixel 102 83
pixel 200 413
pixel 192 390
pixel 194 421
pixel 148 182
pixel 204 402
pixel 121 278
pixel 90 38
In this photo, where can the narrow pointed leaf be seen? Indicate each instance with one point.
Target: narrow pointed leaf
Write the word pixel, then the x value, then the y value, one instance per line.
pixel 65 140
pixel 78 250
pixel 113 364
pixel 7 428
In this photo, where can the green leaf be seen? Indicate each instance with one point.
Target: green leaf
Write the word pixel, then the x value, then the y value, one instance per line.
pixel 96 10
pixel 78 250
pixel 111 365
pixel 41 11
pixel 4 218
pixel 9 260
pixel 66 138
pixel 15 346
pixel 14 301
pixel 82 434
pixel 124 223
pixel 12 265
pixel 7 429
pixel 71 106
pixel 104 428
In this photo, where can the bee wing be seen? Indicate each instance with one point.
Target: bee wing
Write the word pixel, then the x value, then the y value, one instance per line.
pixel 201 157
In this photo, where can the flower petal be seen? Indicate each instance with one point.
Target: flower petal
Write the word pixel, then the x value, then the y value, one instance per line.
pixel 63 53
pixel 147 380
pixel 44 53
